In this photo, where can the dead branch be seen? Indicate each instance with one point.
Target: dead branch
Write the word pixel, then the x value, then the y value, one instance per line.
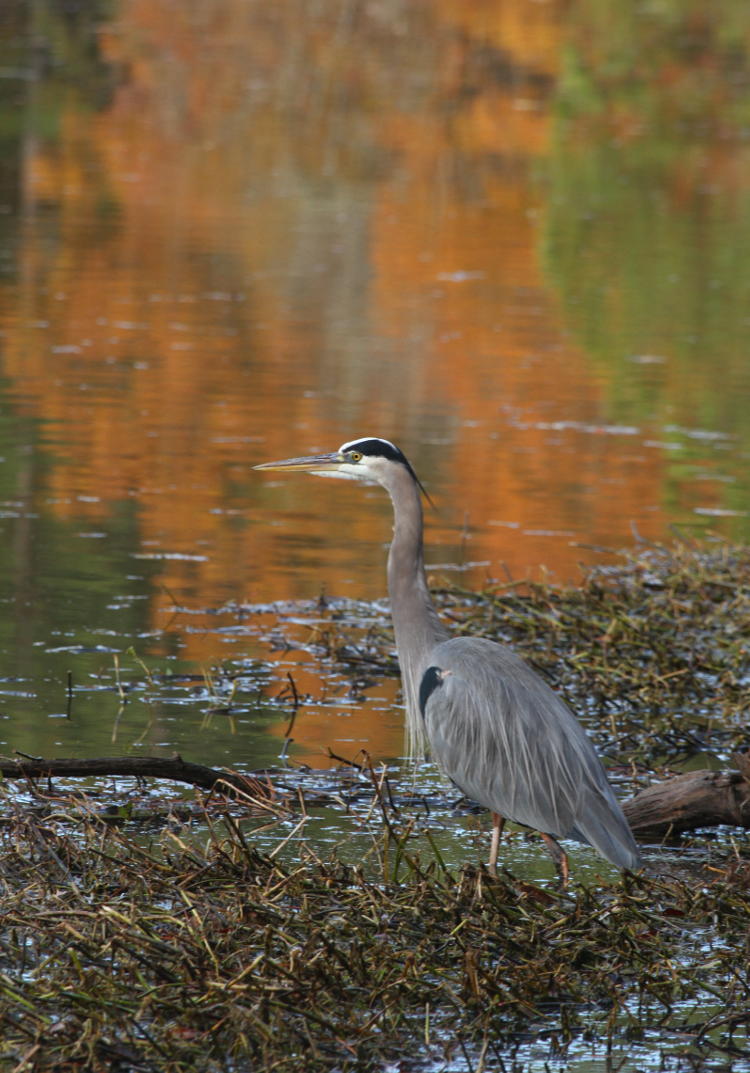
pixel 674 806
pixel 160 767
pixel 686 802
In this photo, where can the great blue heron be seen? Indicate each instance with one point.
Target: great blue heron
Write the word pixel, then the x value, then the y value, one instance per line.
pixel 494 726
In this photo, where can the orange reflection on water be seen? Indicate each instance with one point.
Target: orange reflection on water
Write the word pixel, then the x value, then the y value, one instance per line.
pixel 275 237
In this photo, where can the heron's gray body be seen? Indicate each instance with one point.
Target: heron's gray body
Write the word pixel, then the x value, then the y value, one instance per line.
pixel 530 761
pixel 494 726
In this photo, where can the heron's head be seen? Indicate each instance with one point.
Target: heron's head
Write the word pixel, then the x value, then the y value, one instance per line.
pixel 369 459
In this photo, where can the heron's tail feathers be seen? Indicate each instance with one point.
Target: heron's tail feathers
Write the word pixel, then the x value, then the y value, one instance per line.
pixel 614 840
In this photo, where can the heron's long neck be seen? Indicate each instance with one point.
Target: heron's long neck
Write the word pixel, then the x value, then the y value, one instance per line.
pixel 415 620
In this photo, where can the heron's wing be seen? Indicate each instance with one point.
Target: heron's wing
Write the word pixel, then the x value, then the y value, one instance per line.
pixel 508 741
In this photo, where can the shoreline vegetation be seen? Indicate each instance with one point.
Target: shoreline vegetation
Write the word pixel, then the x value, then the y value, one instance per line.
pixel 177 945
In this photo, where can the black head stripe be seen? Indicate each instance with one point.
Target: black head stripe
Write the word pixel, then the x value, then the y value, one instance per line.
pixel 375 448
pixel 372 447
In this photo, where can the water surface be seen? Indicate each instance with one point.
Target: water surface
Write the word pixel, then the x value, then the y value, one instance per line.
pixel 511 237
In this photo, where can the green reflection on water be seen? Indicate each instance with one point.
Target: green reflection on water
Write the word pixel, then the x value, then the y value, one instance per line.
pixel 75 598
pixel 647 229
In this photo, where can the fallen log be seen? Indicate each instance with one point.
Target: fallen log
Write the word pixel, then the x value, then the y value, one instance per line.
pixel 160 767
pixel 671 807
pixel 687 802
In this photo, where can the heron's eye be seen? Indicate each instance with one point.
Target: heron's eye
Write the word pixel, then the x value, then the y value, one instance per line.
pixel 355 456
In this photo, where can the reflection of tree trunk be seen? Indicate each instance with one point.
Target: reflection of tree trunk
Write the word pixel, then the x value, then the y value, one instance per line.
pixel 23 560
pixel 683 803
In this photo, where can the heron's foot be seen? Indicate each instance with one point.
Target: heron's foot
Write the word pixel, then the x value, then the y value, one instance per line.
pixel 560 857
pixel 498 822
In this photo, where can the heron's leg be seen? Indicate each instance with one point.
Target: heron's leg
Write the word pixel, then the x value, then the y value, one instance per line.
pixel 498 822
pixel 559 856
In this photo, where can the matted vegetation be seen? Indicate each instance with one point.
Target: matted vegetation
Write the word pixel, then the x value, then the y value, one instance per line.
pixel 120 955
pixel 188 949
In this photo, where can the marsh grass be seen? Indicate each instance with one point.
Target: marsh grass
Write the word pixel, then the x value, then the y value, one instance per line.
pixel 177 955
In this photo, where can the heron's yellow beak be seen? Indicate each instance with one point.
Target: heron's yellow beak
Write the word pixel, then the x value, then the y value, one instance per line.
pixel 313 464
